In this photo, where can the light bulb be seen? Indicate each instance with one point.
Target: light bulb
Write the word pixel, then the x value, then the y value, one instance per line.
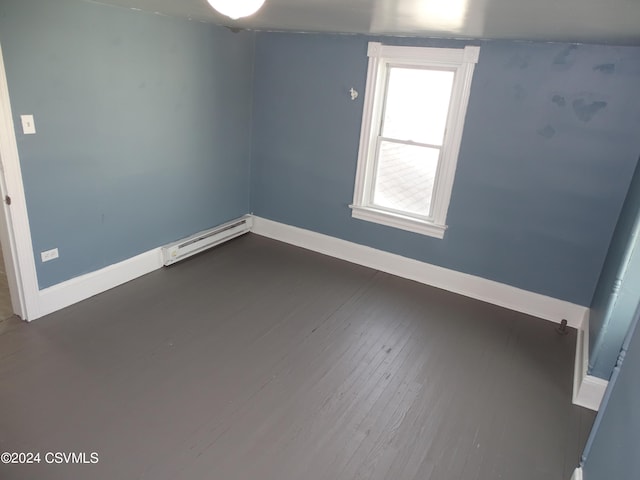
pixel 235 9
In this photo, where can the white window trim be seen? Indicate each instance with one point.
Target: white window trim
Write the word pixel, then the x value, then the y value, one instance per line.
pixel 463 62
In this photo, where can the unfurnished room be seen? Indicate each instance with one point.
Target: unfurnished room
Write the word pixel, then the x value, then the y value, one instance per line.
pixel 313 239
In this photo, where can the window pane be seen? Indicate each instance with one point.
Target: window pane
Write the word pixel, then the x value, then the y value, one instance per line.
pixel 405 176
pixel 417 104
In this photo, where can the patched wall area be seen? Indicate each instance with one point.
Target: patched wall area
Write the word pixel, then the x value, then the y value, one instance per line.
pixel 548 150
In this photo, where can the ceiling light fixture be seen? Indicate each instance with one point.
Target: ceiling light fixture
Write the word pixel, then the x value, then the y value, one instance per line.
pixel 235 9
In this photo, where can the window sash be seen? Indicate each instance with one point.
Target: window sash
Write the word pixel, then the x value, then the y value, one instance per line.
pixel 371 188
pixel 388 66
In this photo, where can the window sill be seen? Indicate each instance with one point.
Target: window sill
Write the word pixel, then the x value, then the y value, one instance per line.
pixel 402 222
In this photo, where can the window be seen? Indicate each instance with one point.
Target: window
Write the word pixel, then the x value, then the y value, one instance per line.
pixel 414 108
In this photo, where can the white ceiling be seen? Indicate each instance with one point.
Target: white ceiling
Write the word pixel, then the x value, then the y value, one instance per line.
pixel 593 21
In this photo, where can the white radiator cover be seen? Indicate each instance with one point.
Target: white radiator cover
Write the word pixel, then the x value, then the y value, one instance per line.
pixel 201 241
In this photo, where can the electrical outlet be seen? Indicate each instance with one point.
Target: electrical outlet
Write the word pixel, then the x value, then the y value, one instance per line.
pixel 49 255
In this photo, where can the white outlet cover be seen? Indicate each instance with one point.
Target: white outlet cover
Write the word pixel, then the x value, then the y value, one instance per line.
pixel 49 254
pixel 28 125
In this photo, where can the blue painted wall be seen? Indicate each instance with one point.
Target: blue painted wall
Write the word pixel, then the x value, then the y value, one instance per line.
pixel 618 292
pixel 143 122
pixel 612 448
pixel 145 136
pixel 550 144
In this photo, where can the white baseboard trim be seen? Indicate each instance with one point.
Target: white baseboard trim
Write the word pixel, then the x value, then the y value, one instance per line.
pixel 577 474
pixel 479 288
pixel 588 390
pixel 80 288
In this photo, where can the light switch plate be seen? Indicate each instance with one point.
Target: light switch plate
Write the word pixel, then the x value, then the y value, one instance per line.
pixel 28 125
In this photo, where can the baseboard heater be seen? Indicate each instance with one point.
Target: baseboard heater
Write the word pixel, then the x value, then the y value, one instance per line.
pixel 206 239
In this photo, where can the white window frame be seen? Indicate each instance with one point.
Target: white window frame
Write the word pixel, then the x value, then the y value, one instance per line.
pixel 381 57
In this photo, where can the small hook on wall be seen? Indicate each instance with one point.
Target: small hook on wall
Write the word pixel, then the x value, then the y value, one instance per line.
pixel 354 93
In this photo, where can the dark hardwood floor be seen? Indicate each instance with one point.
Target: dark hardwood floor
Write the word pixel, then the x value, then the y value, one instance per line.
pixel 259 360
